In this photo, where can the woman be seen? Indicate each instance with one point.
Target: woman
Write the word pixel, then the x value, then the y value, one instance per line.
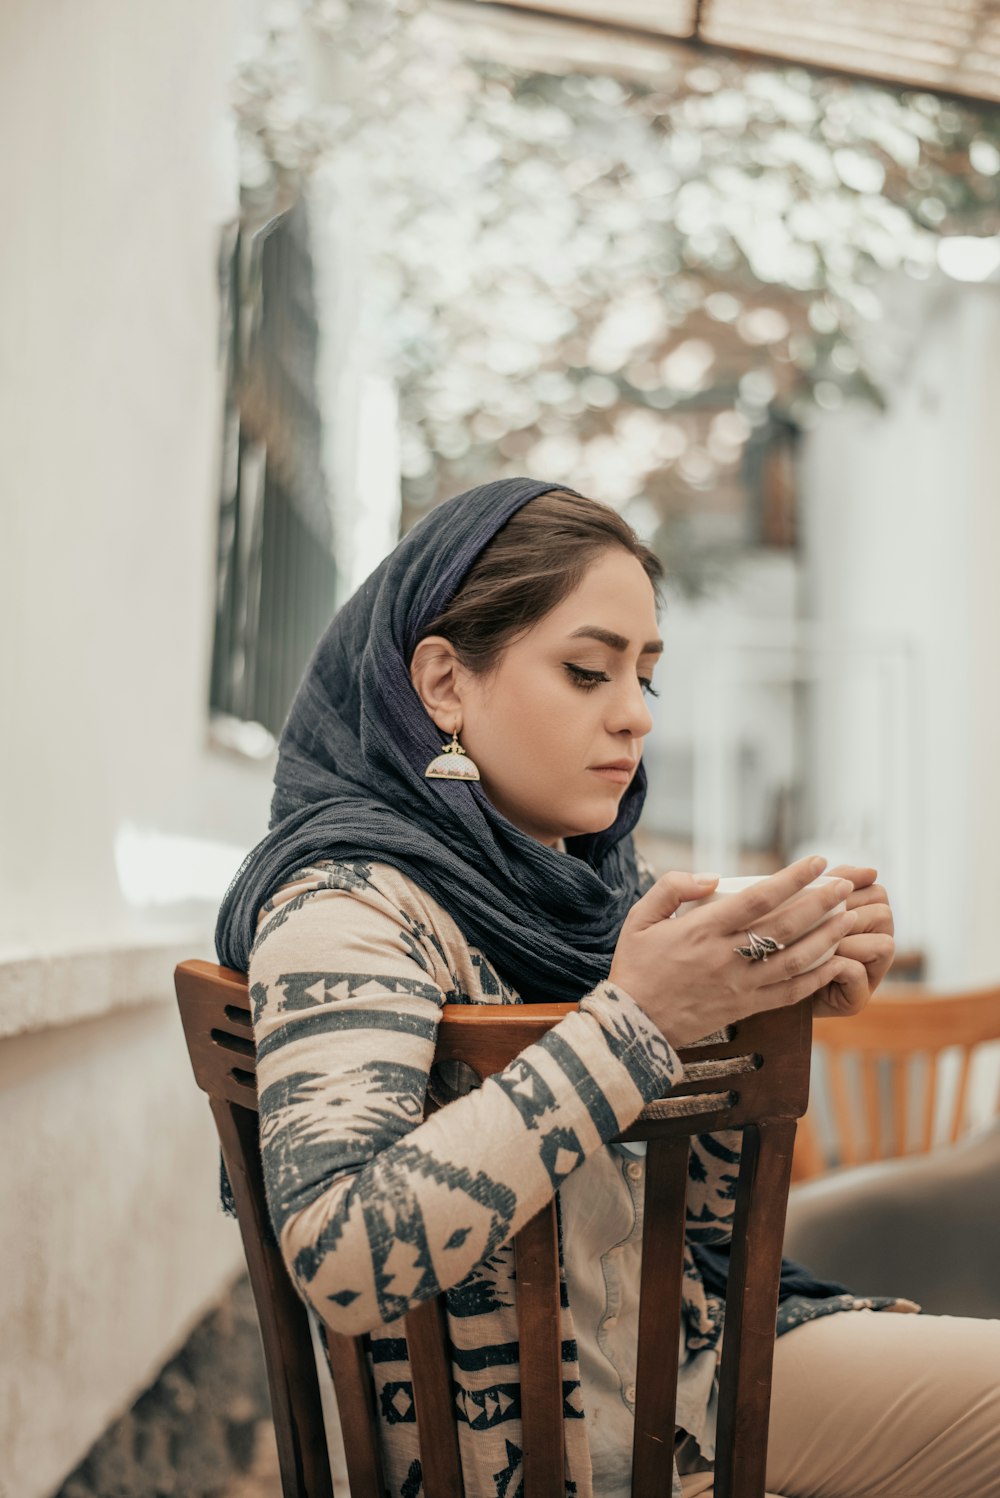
pixel 456 789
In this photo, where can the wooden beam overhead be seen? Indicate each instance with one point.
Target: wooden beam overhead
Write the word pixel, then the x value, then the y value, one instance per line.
pixel 947 47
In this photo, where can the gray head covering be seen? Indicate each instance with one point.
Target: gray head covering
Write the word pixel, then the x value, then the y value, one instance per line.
pixel 350 783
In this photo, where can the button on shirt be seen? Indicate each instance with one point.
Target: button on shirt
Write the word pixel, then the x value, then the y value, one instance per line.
pixel 601 1206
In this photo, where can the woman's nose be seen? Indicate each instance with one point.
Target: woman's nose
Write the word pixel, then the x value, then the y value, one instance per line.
pixel 631 712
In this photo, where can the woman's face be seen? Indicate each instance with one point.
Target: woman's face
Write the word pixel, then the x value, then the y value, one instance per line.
pixel 556 728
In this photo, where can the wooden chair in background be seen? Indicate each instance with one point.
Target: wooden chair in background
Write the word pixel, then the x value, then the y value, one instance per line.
pixel 882 1042
pixel 756 1080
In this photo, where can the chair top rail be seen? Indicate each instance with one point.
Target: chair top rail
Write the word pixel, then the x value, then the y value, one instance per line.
pixel 915 1019
pixel 196 970
pixel 757 1068
pixel 215 1013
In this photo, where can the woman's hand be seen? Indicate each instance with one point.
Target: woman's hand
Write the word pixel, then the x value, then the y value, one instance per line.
pixel 688 978
pixel 866 955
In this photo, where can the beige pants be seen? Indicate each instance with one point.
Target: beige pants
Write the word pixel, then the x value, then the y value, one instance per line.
pixel 874 1404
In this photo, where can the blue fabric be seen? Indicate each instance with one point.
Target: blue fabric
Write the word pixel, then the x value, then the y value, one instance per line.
pixel 350 783
pixel 802 1295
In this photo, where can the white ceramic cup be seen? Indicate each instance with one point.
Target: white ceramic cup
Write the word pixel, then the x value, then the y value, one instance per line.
pixel 734 885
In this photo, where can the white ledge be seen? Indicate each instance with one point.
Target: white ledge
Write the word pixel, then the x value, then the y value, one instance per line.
pixel 41 989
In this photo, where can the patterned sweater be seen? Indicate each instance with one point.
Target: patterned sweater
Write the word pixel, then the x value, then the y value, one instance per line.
pixel 376 1209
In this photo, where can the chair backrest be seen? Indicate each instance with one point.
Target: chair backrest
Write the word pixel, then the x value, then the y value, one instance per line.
pixel 755 1078
pixel 215 1012
pixel 880 1045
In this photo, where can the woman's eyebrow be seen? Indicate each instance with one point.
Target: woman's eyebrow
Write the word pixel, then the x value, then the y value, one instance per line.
pixel 616 642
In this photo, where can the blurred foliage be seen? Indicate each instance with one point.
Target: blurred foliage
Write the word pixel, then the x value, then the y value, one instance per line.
pixel 593 279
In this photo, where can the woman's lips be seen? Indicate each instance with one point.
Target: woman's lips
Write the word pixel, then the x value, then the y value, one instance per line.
pixel 618 774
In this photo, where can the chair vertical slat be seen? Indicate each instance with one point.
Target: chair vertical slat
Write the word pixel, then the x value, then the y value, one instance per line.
pixel 356 1406
pixel 659 1315
pixel 751 1309
pixel 430 1365
pixel 873 1111
pixel 810 1158
pixel 433 1397
pixel 842 1109
pixel 899 1091
pixel 930 1102
pixel 284 1322
pixel 962 1095
pixel 536 1262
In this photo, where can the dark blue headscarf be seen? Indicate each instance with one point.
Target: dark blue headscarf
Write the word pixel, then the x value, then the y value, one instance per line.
pixel 350 783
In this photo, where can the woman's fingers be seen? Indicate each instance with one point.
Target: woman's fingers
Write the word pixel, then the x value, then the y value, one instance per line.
pixel 845 994
pixel 799 960
pixel 793 990
pixel 846 981
pixel 837 958
pixel 875 950
pixel 793 920
pixel 874 909
pixel 740 911
pixel 859 877
pixel 804 953
pixel 874 916
pixel 866 892
pixel 668 893
pixel 839 987
pixel 871 948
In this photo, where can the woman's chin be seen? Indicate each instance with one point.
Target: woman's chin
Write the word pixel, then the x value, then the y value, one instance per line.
pixel 580 818
pixel 592 819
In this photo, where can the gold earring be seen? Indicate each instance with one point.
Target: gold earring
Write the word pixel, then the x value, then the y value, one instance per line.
pixel 452 763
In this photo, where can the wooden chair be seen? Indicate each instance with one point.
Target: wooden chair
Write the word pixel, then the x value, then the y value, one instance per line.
pixel 756 1079
pixel 903 1022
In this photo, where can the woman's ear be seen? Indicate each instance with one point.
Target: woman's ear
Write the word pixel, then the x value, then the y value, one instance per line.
pixel 436 674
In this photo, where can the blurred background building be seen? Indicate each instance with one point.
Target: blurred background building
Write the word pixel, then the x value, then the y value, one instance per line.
pixel 279 277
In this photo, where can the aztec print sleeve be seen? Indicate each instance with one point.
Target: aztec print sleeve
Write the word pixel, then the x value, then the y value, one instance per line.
pixel 713 1170
pixel 714 1160
pixel 374 1209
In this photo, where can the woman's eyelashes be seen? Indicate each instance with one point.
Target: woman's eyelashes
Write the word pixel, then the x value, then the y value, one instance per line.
pixel 587 680
pixel 584 679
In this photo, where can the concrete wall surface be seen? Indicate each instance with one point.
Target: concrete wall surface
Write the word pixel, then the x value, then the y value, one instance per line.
pixel 111 1243
pixel 120 172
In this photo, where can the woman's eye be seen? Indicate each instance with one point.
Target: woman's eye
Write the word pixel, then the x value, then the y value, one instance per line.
pixel 583 678
pixel 587 680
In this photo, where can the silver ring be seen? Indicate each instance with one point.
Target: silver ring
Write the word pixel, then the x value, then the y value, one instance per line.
pixel 760 948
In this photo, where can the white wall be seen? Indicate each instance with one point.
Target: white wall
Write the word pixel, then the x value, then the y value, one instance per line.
pixel 710 710
pixel 902 535
pixel 117 178
pixel 111 392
